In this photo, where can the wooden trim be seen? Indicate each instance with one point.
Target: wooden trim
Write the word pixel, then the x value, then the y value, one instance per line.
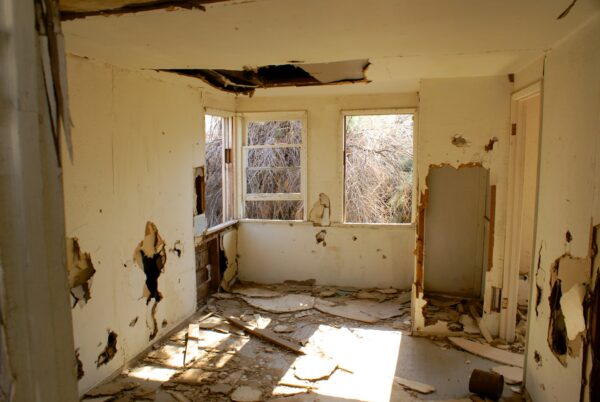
pixel 492 227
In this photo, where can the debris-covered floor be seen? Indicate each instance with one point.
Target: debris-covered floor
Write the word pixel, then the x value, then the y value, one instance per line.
pixel 298 342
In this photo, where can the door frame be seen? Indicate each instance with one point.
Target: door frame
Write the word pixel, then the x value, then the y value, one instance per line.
pixel 514 208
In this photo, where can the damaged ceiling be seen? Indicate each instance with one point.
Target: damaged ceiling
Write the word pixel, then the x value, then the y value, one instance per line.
pixel 72 9
pixel 246 81
pixel 404 40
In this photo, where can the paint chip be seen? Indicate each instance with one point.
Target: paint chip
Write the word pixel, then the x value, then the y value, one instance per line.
pixel 80 271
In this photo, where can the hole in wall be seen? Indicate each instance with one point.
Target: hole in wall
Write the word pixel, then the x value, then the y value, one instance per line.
pixel 79 365
pixel 110 350
pixel 150 254
pixel 320 237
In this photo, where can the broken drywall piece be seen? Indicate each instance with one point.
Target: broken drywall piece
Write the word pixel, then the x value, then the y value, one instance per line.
pixel 80 270
pixel 571 303
pixel 469 324
pixel 365 294
pixel 284 390
pixel 482 327
pixel 192 376
pixel 346 311
pixel 150 255
pixel 320 237
pixel 320 212
pixel 110 350
pixel 415 385
pixel 489 352
pixel 282 304
pixel 512 375
pixel 246 393
pixel 313 368
pixel 254 291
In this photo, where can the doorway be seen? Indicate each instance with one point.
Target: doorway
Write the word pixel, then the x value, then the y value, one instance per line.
pixel 521 207
pixel 454 239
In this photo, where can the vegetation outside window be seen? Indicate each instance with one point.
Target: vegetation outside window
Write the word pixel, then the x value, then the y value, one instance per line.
pixel 219 168
pixel 378 164
pixel 274 166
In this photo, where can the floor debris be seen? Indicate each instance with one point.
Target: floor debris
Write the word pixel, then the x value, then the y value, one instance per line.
pixel 191 346
pixel 246 394
pixel 415 385
pixel 282 304
pixel 345 311
pixel 313 368
pixel 111 388
pixel 512 375
pixel 482 327
pixel 267 335
pixel 351 353
pixel 489 352
pixel 255 291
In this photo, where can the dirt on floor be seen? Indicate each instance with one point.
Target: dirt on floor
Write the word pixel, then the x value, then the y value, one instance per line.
pixel 293 342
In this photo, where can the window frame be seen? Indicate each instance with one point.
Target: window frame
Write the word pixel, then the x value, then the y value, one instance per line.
pixel 248 117
pixel 374 112
pixel 228 191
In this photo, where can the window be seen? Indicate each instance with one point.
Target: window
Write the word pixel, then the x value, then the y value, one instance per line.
pixel 218 175
pixel 378 164
pixel 274 166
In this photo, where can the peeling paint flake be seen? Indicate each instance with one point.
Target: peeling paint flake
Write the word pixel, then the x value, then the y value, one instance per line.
pixel 320 212
pixel 80 271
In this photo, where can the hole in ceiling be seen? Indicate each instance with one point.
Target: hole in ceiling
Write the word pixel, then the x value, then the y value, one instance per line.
pixel 247 80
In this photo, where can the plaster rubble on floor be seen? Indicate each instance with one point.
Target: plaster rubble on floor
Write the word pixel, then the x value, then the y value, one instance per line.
pixel 238 365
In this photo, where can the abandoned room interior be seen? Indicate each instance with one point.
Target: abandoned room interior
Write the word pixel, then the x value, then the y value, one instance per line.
pixel 301 201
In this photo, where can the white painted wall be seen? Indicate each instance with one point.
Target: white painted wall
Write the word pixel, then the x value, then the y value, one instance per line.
pixel 137 136
pixel 275 251
pixel 478 109
pixel 381 256
pixel 568 193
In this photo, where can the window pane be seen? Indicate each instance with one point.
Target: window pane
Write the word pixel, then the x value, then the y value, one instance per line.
pixel 379 168
pixel 274 132
pixel 215 128
pixel 283 210
pixel 274 157
pixel 273 180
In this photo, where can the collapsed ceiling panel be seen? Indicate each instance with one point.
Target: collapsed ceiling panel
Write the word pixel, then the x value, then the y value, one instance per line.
pixel 246 81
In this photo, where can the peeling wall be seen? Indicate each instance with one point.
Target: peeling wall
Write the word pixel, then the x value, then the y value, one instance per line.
pixel 475 110
pixel 354 255
pixel 137 137
pixel 569 188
